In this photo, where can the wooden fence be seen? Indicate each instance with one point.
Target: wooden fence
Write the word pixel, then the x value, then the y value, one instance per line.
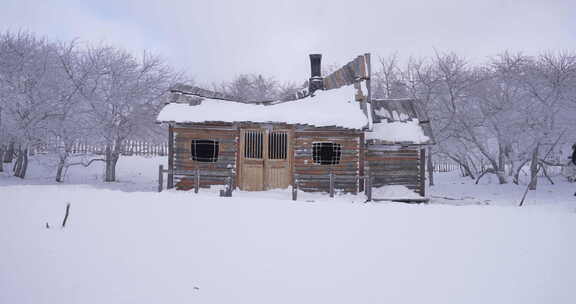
pixel 131 147
pixel 443 166
pixel 440 166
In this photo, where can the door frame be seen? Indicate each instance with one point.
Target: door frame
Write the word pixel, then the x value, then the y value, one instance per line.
pixel 267 128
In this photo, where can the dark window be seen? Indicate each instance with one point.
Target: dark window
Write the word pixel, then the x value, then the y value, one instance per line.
pixel 326 153
pixel 204 150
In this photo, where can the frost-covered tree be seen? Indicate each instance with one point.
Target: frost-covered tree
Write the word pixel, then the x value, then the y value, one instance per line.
pixel 123 94
pixel 252 87
pixel 28 66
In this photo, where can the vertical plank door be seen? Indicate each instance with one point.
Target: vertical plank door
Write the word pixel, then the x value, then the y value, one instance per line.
pixel 265 159
pixel 277 161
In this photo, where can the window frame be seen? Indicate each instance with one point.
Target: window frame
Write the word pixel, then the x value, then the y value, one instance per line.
pixel 211 160
pixel 317 161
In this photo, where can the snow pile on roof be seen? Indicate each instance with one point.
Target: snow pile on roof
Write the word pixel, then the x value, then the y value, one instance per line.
pixel 327 108
pixel 398 131
pixel 394 192
pixel 394 115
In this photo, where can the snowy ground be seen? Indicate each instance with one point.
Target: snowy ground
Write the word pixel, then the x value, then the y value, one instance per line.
pixel 124 243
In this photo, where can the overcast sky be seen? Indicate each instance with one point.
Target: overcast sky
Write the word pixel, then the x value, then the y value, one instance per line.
pixel 217 40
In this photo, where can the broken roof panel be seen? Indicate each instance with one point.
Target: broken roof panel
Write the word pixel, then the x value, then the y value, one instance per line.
pixel 400 121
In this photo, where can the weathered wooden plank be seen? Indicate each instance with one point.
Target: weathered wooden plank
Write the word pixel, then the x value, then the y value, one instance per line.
pixel 221 141
pixel 389 168
pixel 193 166
pixel 414 173
pixel 391 159
pixel 170 178
pixel 422 185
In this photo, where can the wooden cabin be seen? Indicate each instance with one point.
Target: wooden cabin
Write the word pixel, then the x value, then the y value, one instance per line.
pixel 332 127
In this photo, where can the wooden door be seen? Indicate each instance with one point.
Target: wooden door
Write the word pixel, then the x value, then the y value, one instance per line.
pixel 265 159
pixel 277 162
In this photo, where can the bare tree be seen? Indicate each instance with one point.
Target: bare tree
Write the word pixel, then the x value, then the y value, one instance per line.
pixel 124 94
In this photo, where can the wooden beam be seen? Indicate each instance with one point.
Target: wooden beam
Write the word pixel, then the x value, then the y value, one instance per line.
pixel 361 162
pixel 160 177
pixel 170 184
pixel 422 172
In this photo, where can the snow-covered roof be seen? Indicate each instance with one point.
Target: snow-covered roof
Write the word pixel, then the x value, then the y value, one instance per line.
pixel 335 107
pixel 390 121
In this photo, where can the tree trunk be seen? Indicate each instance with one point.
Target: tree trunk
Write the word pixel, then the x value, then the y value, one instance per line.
pixel 501 176
pixel 1 158
pixel 112 156
pixel 21 165
pixel 501 158
pixel 512 168
pixel 534 168
pixel 60 169
pixel 24 164
pixel 18 164
pixel 516 179
pixel 430 166
pixel 9 154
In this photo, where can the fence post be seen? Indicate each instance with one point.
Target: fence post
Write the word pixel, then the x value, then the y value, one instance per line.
pixel 295 190
pixel 197 183
pixel 230 184
pixel 170 157
pixel 369 186
pixel 160 176
pixel 331 183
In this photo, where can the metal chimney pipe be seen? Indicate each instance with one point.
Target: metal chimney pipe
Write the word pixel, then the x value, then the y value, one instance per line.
pixel 316 82
pixel 315 65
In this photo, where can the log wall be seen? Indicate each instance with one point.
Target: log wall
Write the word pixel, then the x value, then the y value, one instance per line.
pixel 314 177
pixel 211 173
pixel 390 165
pixel 395 165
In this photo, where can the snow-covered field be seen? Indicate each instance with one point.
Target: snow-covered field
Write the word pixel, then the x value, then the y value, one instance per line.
pixel 125 243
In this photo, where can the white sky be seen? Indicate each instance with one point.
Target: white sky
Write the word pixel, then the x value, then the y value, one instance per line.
pixel 217 40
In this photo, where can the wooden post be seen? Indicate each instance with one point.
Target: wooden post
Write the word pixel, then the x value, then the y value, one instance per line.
pixel 331 183
pixel 362 162
pixel 294 189
pixel 160 177
pixel 230 186
pixel 170 183
pixel 422 172
pixel 197 183
pixel 369 186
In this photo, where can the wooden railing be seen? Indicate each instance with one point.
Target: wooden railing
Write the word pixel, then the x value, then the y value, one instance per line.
pixel 196 174
pixel 365 183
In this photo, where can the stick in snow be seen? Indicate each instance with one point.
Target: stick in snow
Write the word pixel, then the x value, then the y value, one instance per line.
pixel 66 216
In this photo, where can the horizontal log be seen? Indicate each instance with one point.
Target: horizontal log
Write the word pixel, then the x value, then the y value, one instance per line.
pixel 388 168
pixel 221 158
pixel 205 131
pixel 391 149
pixel 211 166
pixel 395 173
pixel 392 155
pixel 312 166
pixel 308 150
pixel 186 152
pixel 372 158
pixel 187 140
pixel 337 178
pixel 349 142
pixel 204 173
pixel 325 173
